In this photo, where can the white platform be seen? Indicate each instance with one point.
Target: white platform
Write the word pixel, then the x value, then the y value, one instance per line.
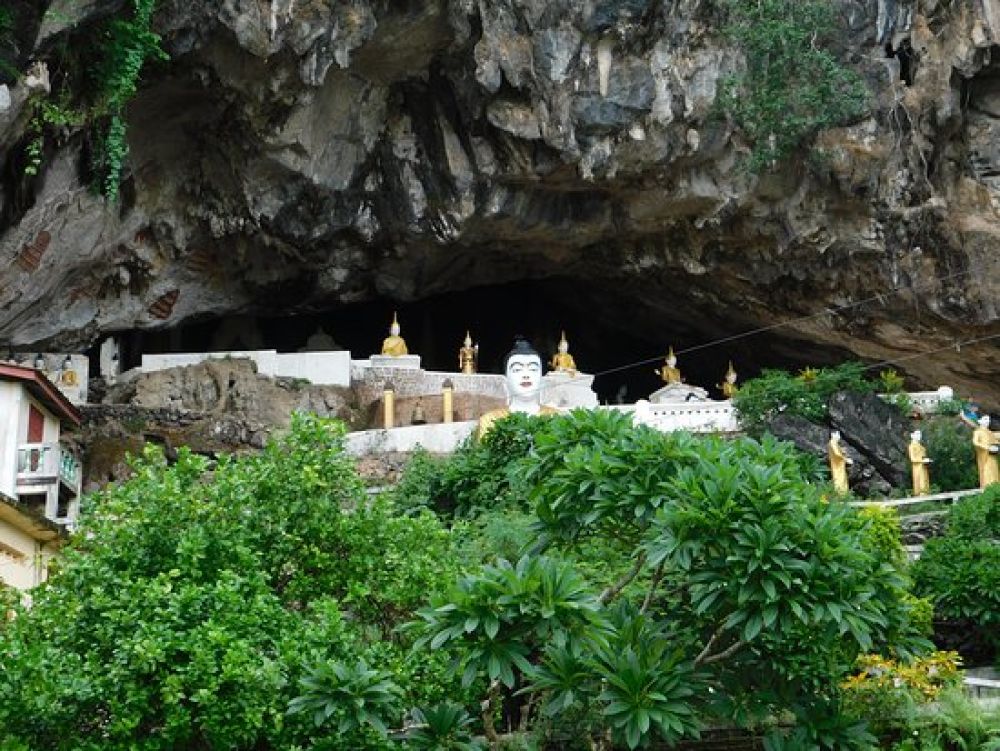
pixel 398 362
pixel 442 438
pixel 673 393
pixel 568 391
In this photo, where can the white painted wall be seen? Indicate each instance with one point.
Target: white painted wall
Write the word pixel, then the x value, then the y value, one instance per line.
pixel 321 368
pixel 10 418
pixel 442 438
pixel 23 560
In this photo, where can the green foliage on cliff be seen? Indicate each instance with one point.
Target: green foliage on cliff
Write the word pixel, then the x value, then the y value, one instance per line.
pixel 793 85
pixel 775 392
pixel 123 48
pixel 127 45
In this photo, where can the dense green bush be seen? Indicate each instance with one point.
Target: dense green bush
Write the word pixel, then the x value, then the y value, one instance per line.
pixel 804 395
pixel 976 518
pixel 196 596
pixel 949 444
pixel 960 571
pixel 480 475
pixel 742 594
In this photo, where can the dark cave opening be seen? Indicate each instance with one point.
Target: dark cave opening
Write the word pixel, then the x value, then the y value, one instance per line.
pixel 608 330
pixel 904 54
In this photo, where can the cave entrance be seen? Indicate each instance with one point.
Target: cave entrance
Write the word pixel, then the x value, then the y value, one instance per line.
pixel 607 329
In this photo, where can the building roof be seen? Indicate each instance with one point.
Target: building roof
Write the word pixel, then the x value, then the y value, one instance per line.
pixel 33 524
pixel 42 389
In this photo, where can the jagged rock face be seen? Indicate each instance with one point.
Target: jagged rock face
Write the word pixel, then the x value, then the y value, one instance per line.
pixel 301 154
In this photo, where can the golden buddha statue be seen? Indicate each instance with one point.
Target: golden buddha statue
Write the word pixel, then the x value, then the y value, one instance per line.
pixel 467 356
pixel 728 385
pixel 523 372
pixel 839 462
pixel 986 444
pixel 562 361
pixel 918 464
pixel 394 345
pixel 670 373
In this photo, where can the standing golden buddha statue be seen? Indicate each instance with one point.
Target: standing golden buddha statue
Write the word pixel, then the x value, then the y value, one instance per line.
pixel 839 462
pixel 986 444
pixel 467 356
pixel 394 345
pixel 562 361
pixel 670 373
pixel 918 464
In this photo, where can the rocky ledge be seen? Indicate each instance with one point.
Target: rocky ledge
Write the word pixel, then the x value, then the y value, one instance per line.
pixel 296 156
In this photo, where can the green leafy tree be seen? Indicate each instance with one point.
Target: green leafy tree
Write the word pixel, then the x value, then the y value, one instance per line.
pixel 497 618
pixel 793 85
pixel 747 596
pixel 197 594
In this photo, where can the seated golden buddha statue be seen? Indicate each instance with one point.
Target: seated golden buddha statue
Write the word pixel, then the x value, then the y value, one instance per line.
pixel 394 345
pixel 467 356
pixel 728 385
pixel 562 361
pixel 523 372
pixel 670 373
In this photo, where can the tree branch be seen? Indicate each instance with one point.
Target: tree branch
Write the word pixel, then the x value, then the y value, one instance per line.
pixel 653 584
pixel 726 652
pixel 708 647
pixel 616 589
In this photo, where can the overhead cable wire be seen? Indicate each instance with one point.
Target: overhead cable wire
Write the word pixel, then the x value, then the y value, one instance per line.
pixel 880 297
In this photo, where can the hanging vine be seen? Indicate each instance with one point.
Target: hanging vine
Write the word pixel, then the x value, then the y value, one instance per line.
pixel 124 46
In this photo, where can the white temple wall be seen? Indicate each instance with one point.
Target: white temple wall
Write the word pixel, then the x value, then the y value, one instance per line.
pixel 321 368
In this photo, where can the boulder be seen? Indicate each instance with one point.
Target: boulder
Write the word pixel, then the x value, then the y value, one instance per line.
pixel 876 429
pixel 811 438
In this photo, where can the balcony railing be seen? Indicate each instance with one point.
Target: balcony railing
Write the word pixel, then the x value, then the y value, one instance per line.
pixel 46 464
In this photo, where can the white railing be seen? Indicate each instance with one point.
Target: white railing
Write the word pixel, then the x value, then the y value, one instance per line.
pixel 697 417
pixel 45 464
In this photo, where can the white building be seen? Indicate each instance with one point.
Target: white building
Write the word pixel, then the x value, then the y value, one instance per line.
pixel 40 479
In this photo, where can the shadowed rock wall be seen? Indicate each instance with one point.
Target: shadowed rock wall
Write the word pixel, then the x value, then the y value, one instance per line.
pixel 297 155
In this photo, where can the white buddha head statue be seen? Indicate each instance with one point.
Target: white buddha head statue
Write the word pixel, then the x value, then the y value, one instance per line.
pixel 468 339
pixel 394 328
pixel 984 421
pixel 731 373
pixel 563 344
pixel 671 358
pixel 523 371
pixel 835 436
pixel 916 436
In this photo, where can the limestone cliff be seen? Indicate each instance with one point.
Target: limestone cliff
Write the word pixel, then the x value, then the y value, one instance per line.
pixel 301 154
